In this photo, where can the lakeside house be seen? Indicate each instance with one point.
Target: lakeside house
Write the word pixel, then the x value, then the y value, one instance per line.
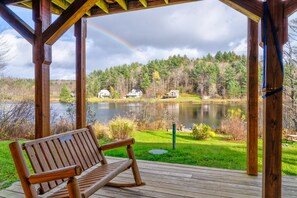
pixel 134 93
pixel 172 94
pixel 104 94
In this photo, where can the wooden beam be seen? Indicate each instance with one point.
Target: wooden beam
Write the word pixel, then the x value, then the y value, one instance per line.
pixel 80 30
pixel 54 8
pixel 143 2
pixel 251 8
pixel 273 112
pixel 136 5
pixel 103 5
pixel 42 59
pixel 69 17
pixel 17 23
pixel 13 1
pixel 252 122
pixel 290 7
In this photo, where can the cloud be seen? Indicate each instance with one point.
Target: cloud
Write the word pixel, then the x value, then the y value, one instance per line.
pixel 192 29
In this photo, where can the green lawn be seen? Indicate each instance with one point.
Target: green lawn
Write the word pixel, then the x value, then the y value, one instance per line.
pixel 212 153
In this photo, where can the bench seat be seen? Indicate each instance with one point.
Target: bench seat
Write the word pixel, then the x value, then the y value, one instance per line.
pixel 63 157
pixel 95 179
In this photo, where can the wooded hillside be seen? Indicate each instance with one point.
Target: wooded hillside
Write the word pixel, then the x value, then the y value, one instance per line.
pixel 223 75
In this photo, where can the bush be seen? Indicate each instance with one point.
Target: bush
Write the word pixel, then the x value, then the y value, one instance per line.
pixel 121 128
pixel 101 130
pixel 17 120
pixel 62 125
pixel 202 132
pixel 234 125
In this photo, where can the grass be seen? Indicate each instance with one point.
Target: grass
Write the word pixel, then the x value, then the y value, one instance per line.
pixel 215 152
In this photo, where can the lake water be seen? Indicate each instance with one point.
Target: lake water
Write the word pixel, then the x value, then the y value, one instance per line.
pixel 185 113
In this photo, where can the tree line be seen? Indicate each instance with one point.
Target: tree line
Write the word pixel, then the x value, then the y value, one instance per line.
pixel 221 75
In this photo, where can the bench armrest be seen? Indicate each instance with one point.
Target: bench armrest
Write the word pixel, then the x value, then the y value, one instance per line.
pixel 117 144
pixel 60 173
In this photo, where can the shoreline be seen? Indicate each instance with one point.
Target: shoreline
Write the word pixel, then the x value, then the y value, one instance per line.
pixel 179 100
pixel 152 100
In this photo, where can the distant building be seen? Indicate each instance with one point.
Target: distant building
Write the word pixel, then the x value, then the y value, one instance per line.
pixel 172 94
pixel 134 93
pixel 104 94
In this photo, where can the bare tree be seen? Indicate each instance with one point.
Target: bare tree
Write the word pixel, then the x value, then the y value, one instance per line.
pixel 290 83
pixel 3 52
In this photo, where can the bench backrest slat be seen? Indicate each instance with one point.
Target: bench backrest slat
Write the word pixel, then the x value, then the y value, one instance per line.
pixel 88 147
pixel 49 158
pixel 93 146
pixel 36 166
pixel 78 147
pixel 83 153
pixel 76 154
pixel 43 162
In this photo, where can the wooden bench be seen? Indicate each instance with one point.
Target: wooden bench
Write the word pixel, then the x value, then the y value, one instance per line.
pixel 291 138
pixel 60 158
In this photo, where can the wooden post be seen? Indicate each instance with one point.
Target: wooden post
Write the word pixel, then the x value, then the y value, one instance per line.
pixel 80 34
pixel 42 59
pixel 252 123
pixel 272 133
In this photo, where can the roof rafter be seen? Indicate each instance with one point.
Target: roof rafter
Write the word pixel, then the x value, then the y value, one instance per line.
pixel 55 9
pixel 251 8
pixel 290 7
pixel 69 17
pixel 62 4
pixel 13 1
pixel 71 1
pixel 103 5
pixel 17 23
pixel 122 3
pixel 144 3
pixel 136 5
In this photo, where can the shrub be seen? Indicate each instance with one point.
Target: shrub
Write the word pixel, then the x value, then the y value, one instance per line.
pixel 234 125
pixel 62 125
pixel 101 130
pixel 202 132
pixel 17 120
pixel 121 128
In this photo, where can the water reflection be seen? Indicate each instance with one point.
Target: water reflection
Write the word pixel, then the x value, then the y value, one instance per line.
pixel 185 113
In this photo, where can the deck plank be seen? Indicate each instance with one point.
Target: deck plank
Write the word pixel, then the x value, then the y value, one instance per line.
pixel 165 180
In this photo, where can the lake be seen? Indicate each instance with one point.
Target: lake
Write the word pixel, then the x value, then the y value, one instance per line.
pixel 184 113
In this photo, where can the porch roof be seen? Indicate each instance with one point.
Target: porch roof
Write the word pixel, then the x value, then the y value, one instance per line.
pixel 102 7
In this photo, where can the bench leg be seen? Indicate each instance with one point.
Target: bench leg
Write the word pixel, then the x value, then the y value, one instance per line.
pixel 73 188
pixel 134 166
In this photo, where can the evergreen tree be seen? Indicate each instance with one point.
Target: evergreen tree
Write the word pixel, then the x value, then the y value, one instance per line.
pixel 145 79
pixel 65 94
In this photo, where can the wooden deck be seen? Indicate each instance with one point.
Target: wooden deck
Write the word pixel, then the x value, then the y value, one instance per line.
pixel 173 180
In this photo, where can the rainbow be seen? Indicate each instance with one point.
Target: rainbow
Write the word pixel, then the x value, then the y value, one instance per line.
pixel 113 36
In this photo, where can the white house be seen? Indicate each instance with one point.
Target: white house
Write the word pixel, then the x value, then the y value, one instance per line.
pixel 172 94
pixel 134 93
pixel 104 94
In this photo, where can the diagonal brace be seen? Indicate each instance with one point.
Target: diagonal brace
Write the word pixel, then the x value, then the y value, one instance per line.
pixel 69 17
pixel 251 8
pixel 17 23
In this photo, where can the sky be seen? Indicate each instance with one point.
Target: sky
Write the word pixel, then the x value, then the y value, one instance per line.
pixel 192 29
